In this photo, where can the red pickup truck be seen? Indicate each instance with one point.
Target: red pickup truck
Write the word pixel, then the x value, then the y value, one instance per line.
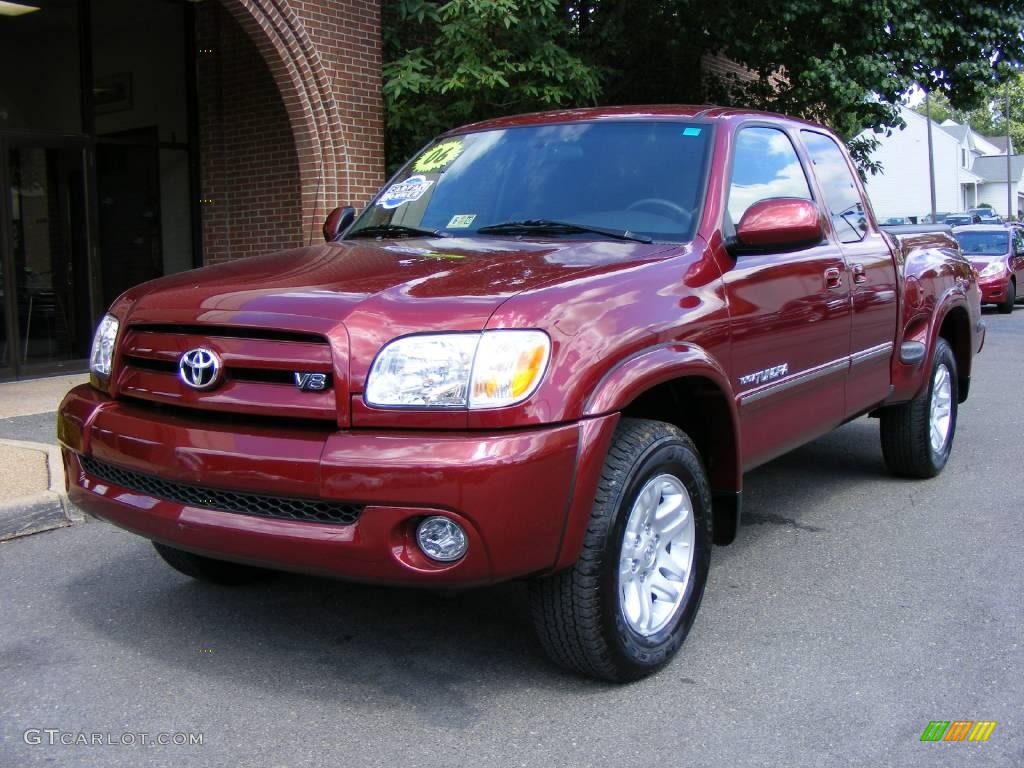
pixel 549 349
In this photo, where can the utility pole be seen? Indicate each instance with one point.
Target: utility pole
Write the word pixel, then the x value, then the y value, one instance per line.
pixel 931 158
pixel 1010 210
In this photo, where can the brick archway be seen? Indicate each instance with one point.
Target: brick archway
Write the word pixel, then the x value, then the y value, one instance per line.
pixel 307 93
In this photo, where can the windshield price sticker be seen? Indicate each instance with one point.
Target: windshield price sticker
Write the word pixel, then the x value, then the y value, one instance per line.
pixel 461 221
pixel 438 157
pixel 408 191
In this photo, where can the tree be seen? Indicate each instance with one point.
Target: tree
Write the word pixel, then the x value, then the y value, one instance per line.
pixel 847 64
pixel 467 60
pixel 842 63
pixel 989 119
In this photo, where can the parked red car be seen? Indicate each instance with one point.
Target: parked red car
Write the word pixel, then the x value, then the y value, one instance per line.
pixel 997 253
pixel 549 349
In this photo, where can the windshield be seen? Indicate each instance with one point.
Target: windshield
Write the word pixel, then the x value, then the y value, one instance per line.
pixel 984 243
pixel 645 179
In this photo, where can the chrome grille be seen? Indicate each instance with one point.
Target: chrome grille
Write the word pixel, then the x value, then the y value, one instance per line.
pixel 258 371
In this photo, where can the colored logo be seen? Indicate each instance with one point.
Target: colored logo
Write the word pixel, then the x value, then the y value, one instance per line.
pixel 199 368
pixel 403 192
pixel 438 156
pixel 958 730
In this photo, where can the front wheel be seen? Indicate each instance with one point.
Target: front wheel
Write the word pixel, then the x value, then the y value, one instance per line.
pixel 623 610
pixel 917 437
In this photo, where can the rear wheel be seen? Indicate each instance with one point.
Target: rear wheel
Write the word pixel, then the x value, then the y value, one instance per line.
pixel 623 610
pixel 917 437
pixel 1011 297
pixel 207 568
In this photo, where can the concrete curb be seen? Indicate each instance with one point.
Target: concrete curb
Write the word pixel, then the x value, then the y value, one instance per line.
pixel 40 511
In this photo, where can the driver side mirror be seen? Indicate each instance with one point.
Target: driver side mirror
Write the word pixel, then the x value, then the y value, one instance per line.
pixel 337 222
pixel 779 223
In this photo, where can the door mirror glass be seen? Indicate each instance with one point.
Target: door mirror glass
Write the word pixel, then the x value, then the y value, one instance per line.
pixel 779 223
pixel 337 222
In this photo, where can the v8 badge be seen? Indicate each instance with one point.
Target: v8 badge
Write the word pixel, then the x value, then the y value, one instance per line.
pixel 310 382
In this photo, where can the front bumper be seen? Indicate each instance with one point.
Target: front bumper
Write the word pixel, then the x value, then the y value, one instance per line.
pixel 513 491
pixel 993 289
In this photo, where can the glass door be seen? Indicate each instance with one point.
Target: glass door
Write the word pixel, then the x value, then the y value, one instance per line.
pixel 47 314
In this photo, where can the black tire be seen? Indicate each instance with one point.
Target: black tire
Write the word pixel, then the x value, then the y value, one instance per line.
pixel 906 429
pixel 208 569
pixel 1011 298
pixel 577 612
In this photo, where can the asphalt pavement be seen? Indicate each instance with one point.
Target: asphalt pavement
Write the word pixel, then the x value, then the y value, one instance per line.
pixel 853 610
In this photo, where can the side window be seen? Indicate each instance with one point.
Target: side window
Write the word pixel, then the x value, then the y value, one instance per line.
pixel 764 165
pixel 837 184
pixel 1018 241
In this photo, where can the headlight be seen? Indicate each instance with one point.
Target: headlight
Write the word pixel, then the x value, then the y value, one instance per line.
pixel 103 346
pixel 508 367
pixel 459 370
pixel 992 268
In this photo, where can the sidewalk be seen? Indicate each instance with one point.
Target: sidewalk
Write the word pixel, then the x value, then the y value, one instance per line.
pixel 32 494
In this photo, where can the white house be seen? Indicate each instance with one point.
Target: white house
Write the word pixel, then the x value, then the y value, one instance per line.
pixel 970 170
pixel 992 169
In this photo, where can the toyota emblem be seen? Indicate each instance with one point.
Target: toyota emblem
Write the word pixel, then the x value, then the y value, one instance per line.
pixel 199 368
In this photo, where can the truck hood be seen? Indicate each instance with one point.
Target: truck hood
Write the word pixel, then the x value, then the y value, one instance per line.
pixel 376 291
pixel 463 278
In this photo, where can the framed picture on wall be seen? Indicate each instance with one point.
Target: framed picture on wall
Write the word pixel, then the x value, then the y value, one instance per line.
pixel 112 93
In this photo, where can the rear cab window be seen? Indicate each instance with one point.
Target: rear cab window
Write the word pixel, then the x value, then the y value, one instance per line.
pixel 838 186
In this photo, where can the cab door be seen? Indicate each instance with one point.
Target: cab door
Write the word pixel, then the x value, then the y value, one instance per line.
pixel 789 311
pixel 872 275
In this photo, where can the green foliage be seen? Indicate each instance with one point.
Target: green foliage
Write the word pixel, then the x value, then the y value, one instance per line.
pixel 988 119
pixel 847 63
pixel 843 63
pixel 467 60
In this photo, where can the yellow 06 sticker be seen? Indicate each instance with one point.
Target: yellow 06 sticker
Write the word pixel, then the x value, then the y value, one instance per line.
pixel 438 156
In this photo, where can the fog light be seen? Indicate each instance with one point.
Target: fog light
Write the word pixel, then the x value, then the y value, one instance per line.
pixel 441 539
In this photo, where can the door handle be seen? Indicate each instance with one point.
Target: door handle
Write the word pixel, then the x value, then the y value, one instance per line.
pixel 832 278
pixel 859 276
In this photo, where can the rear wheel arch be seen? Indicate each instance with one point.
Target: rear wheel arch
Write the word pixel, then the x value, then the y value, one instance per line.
pixel 956 330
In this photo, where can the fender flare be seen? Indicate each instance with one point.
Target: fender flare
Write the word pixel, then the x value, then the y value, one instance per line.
pixel 652 366
pixel 641 372
pixel 953 300
pixel 917 375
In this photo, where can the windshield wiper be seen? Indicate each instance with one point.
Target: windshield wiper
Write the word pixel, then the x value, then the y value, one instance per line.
pixel 548 226
pixel 393 230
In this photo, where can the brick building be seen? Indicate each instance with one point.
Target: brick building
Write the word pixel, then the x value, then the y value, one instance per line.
pixel 143 137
